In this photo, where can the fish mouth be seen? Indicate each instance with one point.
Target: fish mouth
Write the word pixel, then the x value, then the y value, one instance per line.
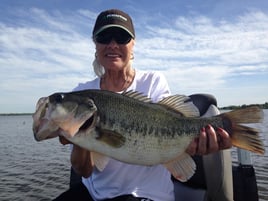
pixel 67 117
pixel 39 119
pixel 43 134
pixel 49 130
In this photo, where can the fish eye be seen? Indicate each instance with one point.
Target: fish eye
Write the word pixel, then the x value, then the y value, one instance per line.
pixel 58 98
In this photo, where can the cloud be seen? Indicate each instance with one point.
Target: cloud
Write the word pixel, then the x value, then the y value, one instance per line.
pixel 198 52
pixel 52 47
pixel 42 52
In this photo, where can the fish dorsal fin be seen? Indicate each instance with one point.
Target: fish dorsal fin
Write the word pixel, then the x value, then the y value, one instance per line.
pixel 181 104
pixel 182 168
pixel 99 160
pixel 137 95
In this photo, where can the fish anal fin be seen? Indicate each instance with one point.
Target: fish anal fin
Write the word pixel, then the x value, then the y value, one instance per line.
pixel 111 138
pixel 180 104
pixel 182 168
pixel 100 161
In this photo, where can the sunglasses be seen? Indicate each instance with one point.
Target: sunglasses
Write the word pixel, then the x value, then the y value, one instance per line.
pixel 119 36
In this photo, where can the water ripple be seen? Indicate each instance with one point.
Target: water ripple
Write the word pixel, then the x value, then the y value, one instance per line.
pixel 33 170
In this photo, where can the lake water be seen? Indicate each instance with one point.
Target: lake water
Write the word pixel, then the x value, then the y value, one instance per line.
pixel 31 170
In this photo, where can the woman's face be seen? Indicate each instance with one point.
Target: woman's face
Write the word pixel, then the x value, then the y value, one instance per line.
pixel 114 48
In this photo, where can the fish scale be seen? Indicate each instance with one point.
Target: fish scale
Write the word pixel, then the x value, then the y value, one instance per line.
pixel 130 128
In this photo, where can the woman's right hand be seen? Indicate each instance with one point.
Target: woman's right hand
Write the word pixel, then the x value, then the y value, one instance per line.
pixel 80 158
pixel 81 161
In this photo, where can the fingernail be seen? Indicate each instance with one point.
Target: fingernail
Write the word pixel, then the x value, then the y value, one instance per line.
pixel 203 129
pixel 219 129
pixel 208 126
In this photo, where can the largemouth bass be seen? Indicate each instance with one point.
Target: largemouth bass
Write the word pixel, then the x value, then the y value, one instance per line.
pixel 130 128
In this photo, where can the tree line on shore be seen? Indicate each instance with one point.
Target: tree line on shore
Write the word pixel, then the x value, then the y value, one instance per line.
pixel 233 107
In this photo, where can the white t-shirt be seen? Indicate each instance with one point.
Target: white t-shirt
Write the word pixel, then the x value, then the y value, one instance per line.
pixel 119 178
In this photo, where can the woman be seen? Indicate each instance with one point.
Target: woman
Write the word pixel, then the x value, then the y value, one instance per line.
pixel 114 37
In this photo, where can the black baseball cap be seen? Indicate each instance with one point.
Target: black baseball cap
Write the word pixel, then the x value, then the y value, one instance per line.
pixel 113 18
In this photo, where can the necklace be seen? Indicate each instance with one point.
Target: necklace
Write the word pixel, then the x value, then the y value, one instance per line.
pixel 108 84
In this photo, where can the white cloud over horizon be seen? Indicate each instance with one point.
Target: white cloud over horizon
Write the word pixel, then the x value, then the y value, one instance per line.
pixel 42 52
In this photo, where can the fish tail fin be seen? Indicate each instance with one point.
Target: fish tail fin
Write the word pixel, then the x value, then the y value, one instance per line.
pixel 247 138
pixel 243 136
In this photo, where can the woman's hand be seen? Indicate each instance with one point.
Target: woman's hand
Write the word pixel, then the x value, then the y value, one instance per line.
pixel 80 158
pixel 81 161
pixel 209 141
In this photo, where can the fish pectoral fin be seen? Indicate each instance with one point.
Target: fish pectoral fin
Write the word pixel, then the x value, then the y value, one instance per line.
pixel 182 168
pixel 99 160
pixel 181 104
pixel 111 138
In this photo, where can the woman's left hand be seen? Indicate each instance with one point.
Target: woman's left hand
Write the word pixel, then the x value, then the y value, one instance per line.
pixel 209 141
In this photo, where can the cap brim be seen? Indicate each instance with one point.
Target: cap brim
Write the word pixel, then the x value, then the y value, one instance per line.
pixel 113 25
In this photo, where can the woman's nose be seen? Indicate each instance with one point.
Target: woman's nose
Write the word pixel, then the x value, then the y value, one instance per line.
pixel 113 43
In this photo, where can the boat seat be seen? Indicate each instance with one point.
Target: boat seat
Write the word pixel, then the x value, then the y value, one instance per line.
pixel 212 180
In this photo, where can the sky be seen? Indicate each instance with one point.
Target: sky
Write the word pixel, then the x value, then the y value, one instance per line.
pixel 201 46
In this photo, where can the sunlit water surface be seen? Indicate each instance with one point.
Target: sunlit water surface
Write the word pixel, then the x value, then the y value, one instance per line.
pixel 31 170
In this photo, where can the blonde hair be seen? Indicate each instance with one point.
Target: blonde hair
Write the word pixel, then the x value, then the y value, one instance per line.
pixel 98 68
